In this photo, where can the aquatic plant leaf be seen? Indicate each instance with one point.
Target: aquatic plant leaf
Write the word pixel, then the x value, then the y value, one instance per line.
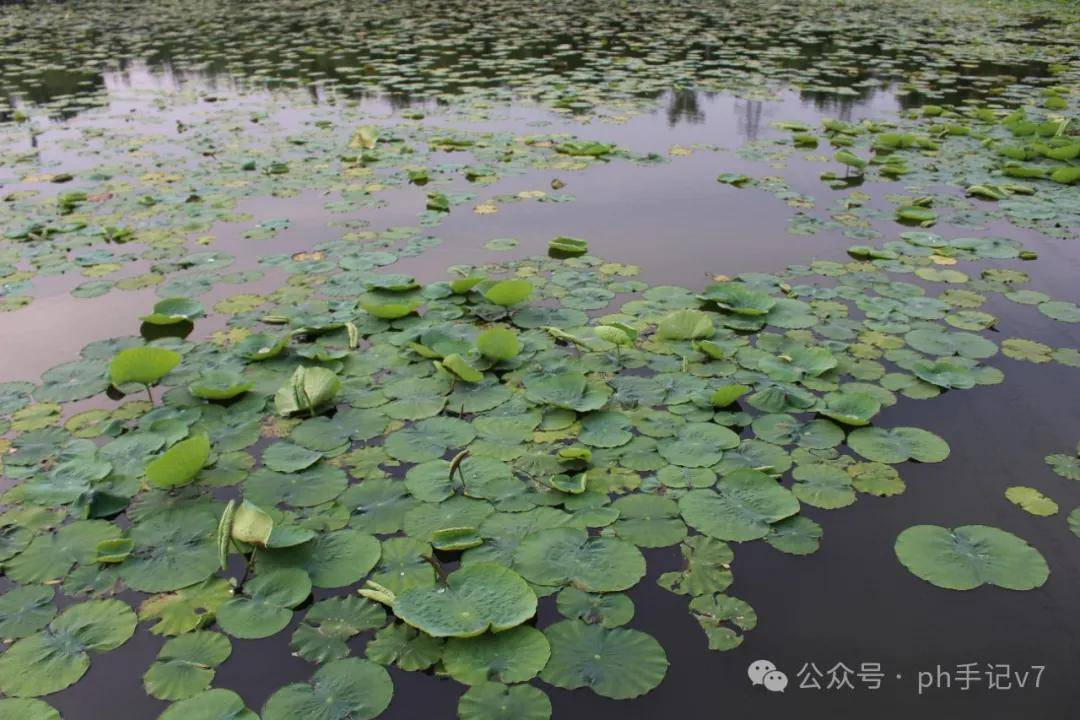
pixel 797 535
pixel 404 646
pixel 515 655
pixel 498 343
pixel 851 408
pixel 742 507
pixel 144 365
pixel 698 444
pixel 738 298
pixel 309 389
pixel 185 665
pixel 174 310
pixel 1031 500
pixel 265 607
pixel 706 567
pixel 251 524
pixel 685 325
pixel 286 457
pixel 509 292
pixel 570 556
pixel 823 485
pixel 1067 466
pixel 969 556
pixel 220 385
pixel 213 704
pixel 616 663
pixel 56 657
pixel 475 599
pixel 25 609
pixel 179 464
pixel 347 689
pixel 188 609
pixel 896 445
pixel 721 617
pixel 322 634
pixel 495 701
pixel 608 609
pixel 28 709
pixel 649 521
pixel 332 559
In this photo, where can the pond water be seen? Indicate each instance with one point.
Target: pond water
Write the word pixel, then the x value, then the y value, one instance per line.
pixel 257 157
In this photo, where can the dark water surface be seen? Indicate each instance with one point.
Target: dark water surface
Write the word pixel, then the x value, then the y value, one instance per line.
pixel 851 602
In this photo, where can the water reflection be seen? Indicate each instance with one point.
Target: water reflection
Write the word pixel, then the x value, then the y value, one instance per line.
pixel 592 53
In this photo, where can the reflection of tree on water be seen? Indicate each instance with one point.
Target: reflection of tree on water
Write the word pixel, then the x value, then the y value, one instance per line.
pixel 683 106
pixel 419 49
pixel 749 114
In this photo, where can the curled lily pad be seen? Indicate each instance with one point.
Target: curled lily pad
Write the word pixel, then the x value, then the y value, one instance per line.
pixel 174 310
pixel 495 701
pixel 179 464
pixel 347 689
pixel 58 656
pixel 969 556
pixel 498 343
pixel 475 599
pixel 143 365
pixel 509 292
pixel 309 389
pixel 738 298
pixel 896 445
pixel 516 655
pixel 617 663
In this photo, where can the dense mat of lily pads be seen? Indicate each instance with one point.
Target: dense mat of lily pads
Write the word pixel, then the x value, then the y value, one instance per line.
pixel 440 459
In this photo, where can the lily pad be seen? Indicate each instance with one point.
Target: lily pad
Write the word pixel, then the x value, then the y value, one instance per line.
pixel 969 556
pixel 565 556
pixel 616 663
pixel 475 599
pixel 516 655
pixel 896 445
pixel 347 689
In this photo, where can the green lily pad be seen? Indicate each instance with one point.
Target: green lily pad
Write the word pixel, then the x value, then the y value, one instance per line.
pixel 706 567
pixel 616 663
pixel 516 655
pixel 25 609
pixel 185 665
pixel 265 606
pixel 1031 500
pixel 220 385
pixel 56 657
pixel 174 310
pixel 608 609
pixel 966 557
pixel 309 389
pixel 475 599
pixel 347 689
pixel 564 556
pixel 143 365
pixel 896 445
pixel 326 627
pixel 495 701
pixel 742 507
pixel 179 464
pixel 214 704
pixel 509 292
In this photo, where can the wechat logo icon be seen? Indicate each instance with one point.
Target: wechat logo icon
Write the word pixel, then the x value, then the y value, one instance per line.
pixel 763 672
